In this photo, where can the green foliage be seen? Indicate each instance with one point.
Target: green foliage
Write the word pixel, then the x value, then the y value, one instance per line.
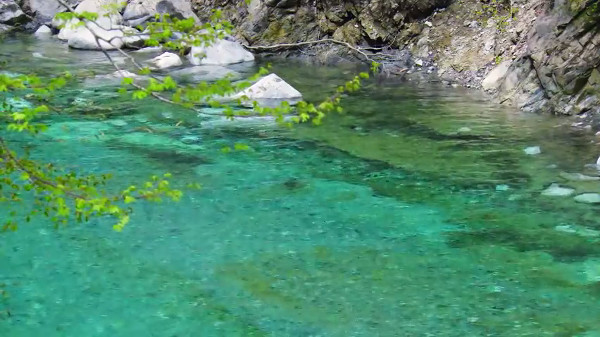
pixel 501 11
pixel 70 196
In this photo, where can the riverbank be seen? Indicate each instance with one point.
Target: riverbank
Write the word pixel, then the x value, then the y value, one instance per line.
pixel 540 56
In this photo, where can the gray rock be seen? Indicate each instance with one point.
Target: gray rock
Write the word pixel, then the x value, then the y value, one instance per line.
pixel 271 88
pixel 85 38
pixel 5 28
pixel 588 198
pixel 107 26
pixel 221 52
pixel 139 11
pixel 11 13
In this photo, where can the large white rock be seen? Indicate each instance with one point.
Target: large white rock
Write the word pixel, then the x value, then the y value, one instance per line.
pixel 588 198
pixel 494 78
pixel 138 11
pixel 85 38
pixel 555 190
pixel 271 87
pixel 45 10
pixel 166 60
pixel 108 19
pixel 108 11
pixel 221 52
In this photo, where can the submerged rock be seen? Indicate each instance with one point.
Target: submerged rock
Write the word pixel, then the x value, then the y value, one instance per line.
pixel 272 88
pixel 205 73
pixel 221 52
pixel 166 60
pixel 555 190
pixel 532 150
pixel 588 198
pixel 577 177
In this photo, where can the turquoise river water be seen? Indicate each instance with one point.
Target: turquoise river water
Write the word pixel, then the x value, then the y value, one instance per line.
pixel 416 213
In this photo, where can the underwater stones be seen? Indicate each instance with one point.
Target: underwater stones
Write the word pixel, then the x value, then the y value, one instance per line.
pixel 205 73
pixel 577 177
pixel 464 129
pixel 271 88
pixel 166 60
pixel 118 123
pixel 581 231
pixel 502 188
pixel 221 52
pixel 532 150
pixel 555 190
pixel 123 73
pixel 190 139
pixel 588 198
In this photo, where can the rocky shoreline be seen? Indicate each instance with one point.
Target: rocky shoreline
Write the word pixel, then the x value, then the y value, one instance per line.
pixel 541 55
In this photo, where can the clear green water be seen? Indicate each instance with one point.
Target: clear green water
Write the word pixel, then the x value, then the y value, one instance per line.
pixel 385 221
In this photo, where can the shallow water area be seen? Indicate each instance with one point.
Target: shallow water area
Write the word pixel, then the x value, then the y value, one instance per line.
pixel 415 213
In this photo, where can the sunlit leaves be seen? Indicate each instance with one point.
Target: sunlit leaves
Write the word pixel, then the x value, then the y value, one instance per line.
pixel 66 197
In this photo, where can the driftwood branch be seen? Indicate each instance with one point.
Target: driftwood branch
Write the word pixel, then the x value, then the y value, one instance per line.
pixel 369 57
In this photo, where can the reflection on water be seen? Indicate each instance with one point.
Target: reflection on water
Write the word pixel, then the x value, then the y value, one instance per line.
pixel 416 213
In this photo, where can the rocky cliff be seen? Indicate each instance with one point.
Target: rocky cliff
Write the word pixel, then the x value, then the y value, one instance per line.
pixel 539 55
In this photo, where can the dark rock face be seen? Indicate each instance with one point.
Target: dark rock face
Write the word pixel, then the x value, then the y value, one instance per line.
pixel 560 71
pixel 372 21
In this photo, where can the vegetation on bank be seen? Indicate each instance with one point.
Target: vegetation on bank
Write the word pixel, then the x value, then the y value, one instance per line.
pixel 74 196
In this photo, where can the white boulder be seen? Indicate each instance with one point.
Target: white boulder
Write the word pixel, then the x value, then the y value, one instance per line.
pixel 95 38
pixel 166 60
pixel 107 10
pixel 43 32
pixel 270 88
pixel 221 52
